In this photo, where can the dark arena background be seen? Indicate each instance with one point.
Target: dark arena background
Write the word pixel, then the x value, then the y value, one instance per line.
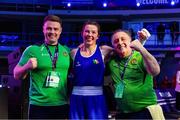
pixel 21 25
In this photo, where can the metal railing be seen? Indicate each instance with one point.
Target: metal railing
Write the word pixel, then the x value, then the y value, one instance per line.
pixel 73 39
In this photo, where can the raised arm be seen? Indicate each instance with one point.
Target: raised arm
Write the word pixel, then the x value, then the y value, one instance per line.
pixel 150 62
pixel 107 51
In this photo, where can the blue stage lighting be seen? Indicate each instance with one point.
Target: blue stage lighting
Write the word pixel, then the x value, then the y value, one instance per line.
pixel 138 4
pixel 68 4
pixel 104 4
pixel 172 2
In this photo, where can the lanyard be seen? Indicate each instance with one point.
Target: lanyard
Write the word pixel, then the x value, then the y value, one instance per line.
pixel 125 66
pixel 53 59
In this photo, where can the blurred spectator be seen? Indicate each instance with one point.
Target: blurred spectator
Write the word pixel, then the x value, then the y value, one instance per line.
pixel 160 33
pixel 132 33
pixel 177 89
pixel 165 83
pixel 173 82
pixel 169 66
pixel 174 28
pixel 155 84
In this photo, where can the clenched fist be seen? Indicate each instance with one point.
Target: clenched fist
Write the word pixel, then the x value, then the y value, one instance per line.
pixel 31 64
pixel 143 35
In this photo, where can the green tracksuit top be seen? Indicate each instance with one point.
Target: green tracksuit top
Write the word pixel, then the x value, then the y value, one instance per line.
pixel 40 94
pixel 138 91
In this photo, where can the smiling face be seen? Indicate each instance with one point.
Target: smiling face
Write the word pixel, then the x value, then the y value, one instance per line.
pixel 52 31
pixel 121 43
pixel 90 34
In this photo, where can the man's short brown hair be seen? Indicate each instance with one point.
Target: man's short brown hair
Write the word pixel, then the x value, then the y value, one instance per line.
pixel 52 18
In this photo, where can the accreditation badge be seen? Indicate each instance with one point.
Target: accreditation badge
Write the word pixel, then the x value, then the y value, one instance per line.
pixel 53 79
pixel 119 89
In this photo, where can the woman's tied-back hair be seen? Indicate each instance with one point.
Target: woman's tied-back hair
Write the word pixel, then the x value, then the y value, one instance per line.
pixel 90 22
pixel 53 18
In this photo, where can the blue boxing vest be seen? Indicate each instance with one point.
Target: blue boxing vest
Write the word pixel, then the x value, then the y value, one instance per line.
pixel 89 71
